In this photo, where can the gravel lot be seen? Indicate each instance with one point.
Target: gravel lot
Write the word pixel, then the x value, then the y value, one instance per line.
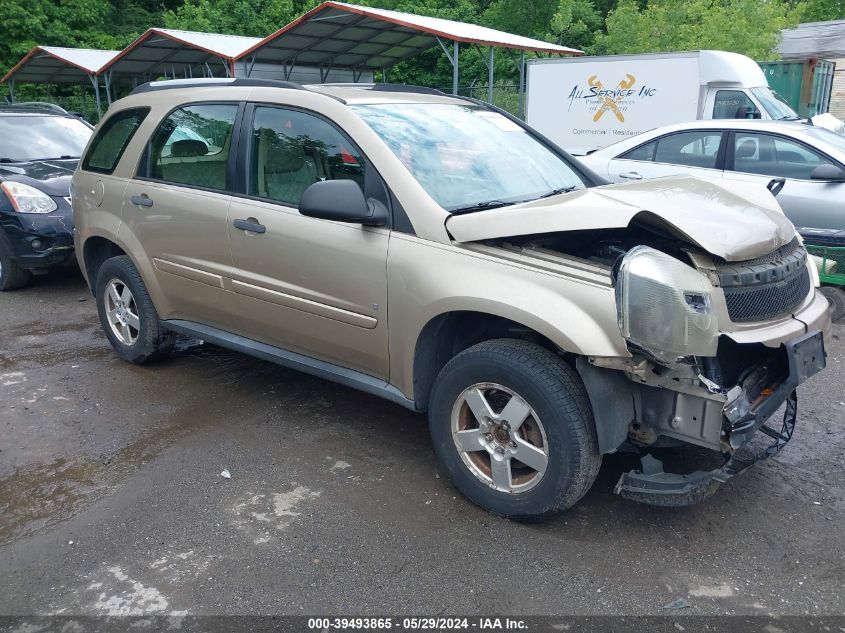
pixel 112 501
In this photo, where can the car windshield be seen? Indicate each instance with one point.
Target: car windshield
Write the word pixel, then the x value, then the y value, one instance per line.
pixel 467 157
pixel 774 104
pixel 37 136
pixel 825 139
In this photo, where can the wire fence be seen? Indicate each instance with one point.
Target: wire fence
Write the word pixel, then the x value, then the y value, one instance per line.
pixel 505 96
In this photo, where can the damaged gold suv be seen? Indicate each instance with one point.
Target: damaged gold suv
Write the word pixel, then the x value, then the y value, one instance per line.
pixel 437 252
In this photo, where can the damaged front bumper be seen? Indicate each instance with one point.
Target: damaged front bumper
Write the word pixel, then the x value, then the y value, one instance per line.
pixel 747 409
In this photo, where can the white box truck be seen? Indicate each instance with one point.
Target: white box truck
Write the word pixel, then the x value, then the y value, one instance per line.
pixel 586 103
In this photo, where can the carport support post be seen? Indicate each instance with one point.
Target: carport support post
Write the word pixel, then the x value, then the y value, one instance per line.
pixel 490 78
pixel 12 90
pixel 522 86
pixel 95 81
pixel 455 68
pixel 107 82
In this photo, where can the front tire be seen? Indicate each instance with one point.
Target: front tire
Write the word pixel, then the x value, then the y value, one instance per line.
pixel 12 276
pixel 127 313
pixel 512 424
pixel 836 298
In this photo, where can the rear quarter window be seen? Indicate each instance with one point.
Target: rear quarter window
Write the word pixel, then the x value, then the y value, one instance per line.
pixel 111 140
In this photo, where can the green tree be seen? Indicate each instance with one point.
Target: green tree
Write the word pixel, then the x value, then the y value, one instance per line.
pixel 576 24
pixel 821 10
pixel 751 27
pixel 256 18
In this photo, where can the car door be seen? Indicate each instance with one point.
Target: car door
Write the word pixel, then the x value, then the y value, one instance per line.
pixel 308 285
pixel 177 207
pixel 690 152
pixel 759 157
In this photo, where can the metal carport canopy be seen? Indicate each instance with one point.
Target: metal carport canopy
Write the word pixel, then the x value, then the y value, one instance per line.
pixel 175 53
pixel 57 65
pixel 344 35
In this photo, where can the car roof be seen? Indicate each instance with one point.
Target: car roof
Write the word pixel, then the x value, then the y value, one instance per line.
pixel 794 127
pixel 358 93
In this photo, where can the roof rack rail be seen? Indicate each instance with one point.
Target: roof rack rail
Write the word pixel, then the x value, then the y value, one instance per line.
pixel 405 88
pixel 208 82
pixel 35 105
pixel 382 87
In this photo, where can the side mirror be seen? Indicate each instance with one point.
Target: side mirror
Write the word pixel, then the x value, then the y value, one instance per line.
pixel 829 173
pixel 341 201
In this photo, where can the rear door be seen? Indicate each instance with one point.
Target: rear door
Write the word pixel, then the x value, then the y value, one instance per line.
pixel 177 207
pixel 311 286
pixel 692 152
pixel 759 157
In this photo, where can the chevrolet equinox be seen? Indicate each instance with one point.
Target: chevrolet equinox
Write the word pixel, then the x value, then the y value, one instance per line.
pixel 435 251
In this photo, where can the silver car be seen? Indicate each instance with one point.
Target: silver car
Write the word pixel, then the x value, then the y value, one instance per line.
pixel 811 161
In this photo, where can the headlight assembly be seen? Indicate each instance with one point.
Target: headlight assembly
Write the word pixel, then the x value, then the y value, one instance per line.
pixel 664 306
pixel 26 199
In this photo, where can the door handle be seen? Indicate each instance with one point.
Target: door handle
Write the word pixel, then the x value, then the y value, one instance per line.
pixel 631 175
pixel 250 225
pixel 142 201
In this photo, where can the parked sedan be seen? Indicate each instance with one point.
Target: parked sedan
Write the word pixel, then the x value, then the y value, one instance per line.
pixel 811 161
pixel 39 149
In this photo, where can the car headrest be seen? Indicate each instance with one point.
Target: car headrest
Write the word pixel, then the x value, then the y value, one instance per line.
pixel 746 149
pixel 189 147
pixel 285 155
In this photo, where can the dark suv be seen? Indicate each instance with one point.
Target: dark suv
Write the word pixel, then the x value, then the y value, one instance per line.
pixel 39 149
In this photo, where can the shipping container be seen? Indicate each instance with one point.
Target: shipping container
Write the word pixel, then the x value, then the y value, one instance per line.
pixel 806 85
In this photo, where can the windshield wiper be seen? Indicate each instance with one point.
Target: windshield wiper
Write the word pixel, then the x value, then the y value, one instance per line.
pixel 480 206
pixel 557 192
pixel 64 157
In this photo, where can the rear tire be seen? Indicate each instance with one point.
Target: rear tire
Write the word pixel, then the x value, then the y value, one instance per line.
pixel 127 314
pixel 836 297
pixel 538 405
pixel 12 276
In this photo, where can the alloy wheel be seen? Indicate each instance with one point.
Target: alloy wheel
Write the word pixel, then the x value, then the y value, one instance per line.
pixel 122 312
pixel 500 438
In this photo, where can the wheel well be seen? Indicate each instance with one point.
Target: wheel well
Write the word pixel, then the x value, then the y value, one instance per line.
pixel 449 334
pixel 96 251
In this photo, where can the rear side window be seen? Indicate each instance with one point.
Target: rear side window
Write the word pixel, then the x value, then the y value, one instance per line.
pixel 111 140
pixel 191 146
pixel 643 152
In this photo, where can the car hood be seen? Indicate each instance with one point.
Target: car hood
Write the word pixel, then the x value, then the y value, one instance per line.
pixel 734 221
pixel 50 176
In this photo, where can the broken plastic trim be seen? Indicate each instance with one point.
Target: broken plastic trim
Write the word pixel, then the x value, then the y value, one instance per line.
pixel 651 485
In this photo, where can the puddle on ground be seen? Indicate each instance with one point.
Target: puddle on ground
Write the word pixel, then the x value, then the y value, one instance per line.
pixel 41 495
pixel 39 328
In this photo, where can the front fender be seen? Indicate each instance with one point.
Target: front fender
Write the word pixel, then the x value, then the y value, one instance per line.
pixel 427 280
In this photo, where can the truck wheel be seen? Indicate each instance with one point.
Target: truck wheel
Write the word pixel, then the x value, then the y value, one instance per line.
pixel 127 314
pixel 512 424
pixel 12 276
pixel 836 297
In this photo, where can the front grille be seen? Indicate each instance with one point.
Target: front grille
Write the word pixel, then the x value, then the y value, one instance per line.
pixel 765 301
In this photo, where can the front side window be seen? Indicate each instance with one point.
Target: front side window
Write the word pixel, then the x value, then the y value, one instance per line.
pixel 734 104
pixel 38 137
pixel 111 140
pixel 291 150
pixel 468 157
pixel 191 146
pixel 775 156
pixel 692 149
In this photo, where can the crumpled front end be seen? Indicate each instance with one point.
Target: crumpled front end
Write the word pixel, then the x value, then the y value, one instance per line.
pixel 718 348
pixel 742 419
